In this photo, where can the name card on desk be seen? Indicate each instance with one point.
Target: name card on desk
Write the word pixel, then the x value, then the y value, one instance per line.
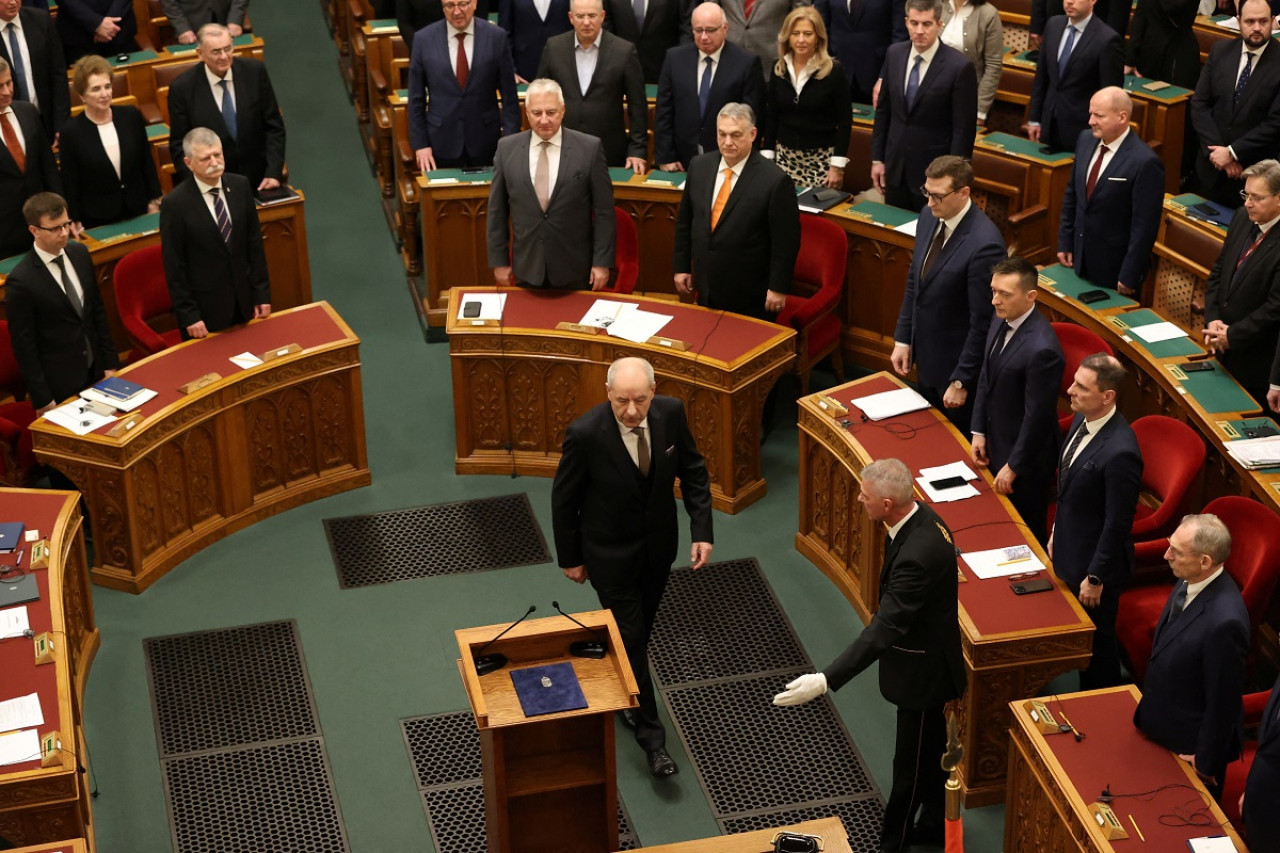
pixel 279 352
pixel 202 382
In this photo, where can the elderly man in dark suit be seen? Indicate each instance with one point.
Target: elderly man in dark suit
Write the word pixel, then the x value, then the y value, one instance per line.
pixel 738 227
pixel 212 242
pixel 1191 695
pixel 1080 55
pixel 946 309
pixel 1015 412
pixel 26 165
pixel 653 26
pixel 860 36
pixel 413 15
pixel 928 107
pixel 1236 106
pixel 57 324
pixel 596 71
pixel 554 185
pixel 457 69
pixel 1242 295
pixel 1099 477
pixel 1262 788
pixel 233 96
pixel 30 44
pixel 614 518
pixel 915 636
pixel 188 16
pixel 697 80
pixel 1112 207
pixel 101 27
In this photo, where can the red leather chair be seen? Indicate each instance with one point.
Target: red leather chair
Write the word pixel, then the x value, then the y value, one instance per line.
pixel 1255 704
pixel 1172 455
pixel 1078 343
pixel 626 255
pixel 142 296
pixel 17 461
pixel 1254 564
pixel 819 268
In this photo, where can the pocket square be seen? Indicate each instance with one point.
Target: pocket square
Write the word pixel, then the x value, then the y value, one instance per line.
pixel 1117 179
pixel 671 450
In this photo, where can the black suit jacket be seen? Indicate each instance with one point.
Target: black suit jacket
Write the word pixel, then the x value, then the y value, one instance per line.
pixel 190 15
pixel 16 186
pixel 1097 496
pixel 257 151
pixel 1191 695
pixel 1262 789
pixel 681 131
pixel 819 117
pixel 1162 44
pixel 755 243
pixel 1111 234
pixel 77 20
pixel 529 33
pixel 943 119
pixel 95 194
pixel 1114 12
pixel 666 24
pixel 1061 102
pixel 612 520
pixel 599 110
pixel 915 632
pixel 50 339
pixel 48 67
pixel 209 279
pixel 860 39
pixel 1251 128
pixel 413 15
pixel 1248 301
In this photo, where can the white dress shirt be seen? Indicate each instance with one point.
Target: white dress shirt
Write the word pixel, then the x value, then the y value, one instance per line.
pixel 553 158
pixel 468 43
pixel 897 528
pixel 1094 427
pixel 928 56
pixel 26 56
pixel 73 280
pixel 1062 45
pixel 631 441
pixel 110 143
pixel 1110 154
pixel 1194 589
pixel 737 173
pixel 702 66
pixel 542 7
pixel 586 59
pixel 953 32
pixel 208 199
pixel 215 86
pixel 17 127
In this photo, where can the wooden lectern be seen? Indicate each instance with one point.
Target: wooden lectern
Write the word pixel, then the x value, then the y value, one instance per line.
pixel 549 780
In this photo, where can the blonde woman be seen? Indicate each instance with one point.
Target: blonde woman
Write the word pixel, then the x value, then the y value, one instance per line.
pixel 973 27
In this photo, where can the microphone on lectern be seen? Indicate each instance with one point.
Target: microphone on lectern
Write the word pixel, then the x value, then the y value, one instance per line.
pixel 594 649
pixel 486 664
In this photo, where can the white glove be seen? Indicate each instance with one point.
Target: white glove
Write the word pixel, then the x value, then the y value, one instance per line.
pixel 806 688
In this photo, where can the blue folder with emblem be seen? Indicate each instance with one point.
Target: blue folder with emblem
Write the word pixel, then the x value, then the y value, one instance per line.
pixel 548 689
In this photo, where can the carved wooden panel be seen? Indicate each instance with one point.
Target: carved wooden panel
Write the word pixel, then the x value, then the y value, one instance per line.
pixel 655 234
pixel 456 227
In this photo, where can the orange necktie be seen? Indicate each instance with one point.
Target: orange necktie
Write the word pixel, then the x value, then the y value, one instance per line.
pixel 722 198
pixel 11 142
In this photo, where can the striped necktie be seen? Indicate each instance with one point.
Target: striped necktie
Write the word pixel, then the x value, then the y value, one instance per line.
pixel 221 215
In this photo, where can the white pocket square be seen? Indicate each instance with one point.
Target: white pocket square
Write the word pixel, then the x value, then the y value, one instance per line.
pixel 671 450
pixel 1117 179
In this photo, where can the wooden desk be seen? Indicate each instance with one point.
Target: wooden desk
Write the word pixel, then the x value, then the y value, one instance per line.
pixel 44 804
pixel 1013 645
pixel 75 845
pixel 829 829
pixel 521 384
pixel 1054 778
pixel 201 466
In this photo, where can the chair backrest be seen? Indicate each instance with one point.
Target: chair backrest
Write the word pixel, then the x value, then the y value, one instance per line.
pixel 1078 343
pixel 142 294
pixel 824 251
pixel 10 374
pixel 627 252
pixel 1172 455
pixel 1255 550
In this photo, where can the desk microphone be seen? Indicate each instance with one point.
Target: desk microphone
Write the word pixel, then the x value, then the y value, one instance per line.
pixel 594 649
pixel 486 664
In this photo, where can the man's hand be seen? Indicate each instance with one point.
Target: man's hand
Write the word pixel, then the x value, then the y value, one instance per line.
pixel 978 451
pixel 875 93
pixel 954 397
pixel 107 374
pixel 502 277
pixel 1234 170
pixel 1033 132
pixel 900 358
pixel 197 330
pixel 1124 289
pixel 269 184
pixel 1215 336
pixel 599 278
pixel 1220 156
pixel 835 177
pixel 1273 401
pixel 1049 546
pixel 804 689
pixel 1033 41
pixel 684 283
pixel 236 30
pixel 153 206
pixel 262 312
pixel 1004 480
pixel 426 162
pixel 1242 802
pixel 77 228
pixel 1090 595
pixel 877 177
pixel 671 167
pixel 47 407
pixel 578 574
pixel 699 553
pixel 107 29
pixel 637 165
pixel 1067 259
pixel 774 301
pixel 189 37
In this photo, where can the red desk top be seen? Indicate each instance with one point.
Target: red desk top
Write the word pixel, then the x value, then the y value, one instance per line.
pixel 718 335
pixel 39 510
pixel 922 440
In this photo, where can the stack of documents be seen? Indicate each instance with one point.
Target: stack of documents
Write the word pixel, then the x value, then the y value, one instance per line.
pixel 928 476
pixel 18 746
pixel 1000 562
pixel 491 305
pixel 1254 453
pixel 624 320
pixel 118 393
pixel 887 404
pixel 1154 333
pixel 78 417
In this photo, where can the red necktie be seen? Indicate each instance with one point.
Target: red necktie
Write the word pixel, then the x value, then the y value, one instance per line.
pixel 1244 256
pixel 1093 173
pixel 746 9
pixel 463 70
pixel 11 142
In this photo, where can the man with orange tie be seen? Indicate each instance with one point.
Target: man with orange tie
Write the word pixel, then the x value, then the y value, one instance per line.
pixel 26 165
pixel 738 229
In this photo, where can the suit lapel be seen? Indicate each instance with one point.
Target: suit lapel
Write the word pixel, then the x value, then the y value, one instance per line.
pixel 936 68
pixel 611 437
pixel 1169 631
pixel 568 151
pixel 1097 443
pixel 951 247
pixel 741 185
pixel 1083 42
pixel 1115 168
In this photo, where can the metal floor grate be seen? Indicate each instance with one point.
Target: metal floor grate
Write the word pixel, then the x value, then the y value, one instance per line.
pixel 861 817
pixel 444 750
pixel 430 541
pixel 229 687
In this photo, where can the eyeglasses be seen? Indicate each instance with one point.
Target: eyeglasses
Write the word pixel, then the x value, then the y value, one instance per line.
pixel 1254 197
pixel 56 229
pixel 587 16
pixel 936 197
pixel 706 31
pixel 453 7
pixel 221 51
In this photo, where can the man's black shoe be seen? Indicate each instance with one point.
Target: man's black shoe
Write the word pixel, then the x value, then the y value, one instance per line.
pixel 660 764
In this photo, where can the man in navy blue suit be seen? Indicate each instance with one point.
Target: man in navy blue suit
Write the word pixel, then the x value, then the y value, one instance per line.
pixel 1079 56
pixel 946 310
pixel 1111 211
pixel 1099 477
pixel 458 67
pixel 1191 696
pixel 1015 417
pixel 860 34
pixel 1262 788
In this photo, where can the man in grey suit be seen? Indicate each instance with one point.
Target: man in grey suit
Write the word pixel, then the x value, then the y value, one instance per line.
pixel 554 185
pixel 596 70
pixel 754 25
pixel 188 16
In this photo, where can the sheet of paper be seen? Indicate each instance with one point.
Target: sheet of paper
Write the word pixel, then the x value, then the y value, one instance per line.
pixel 951 469
pixel 22 712
pixel 638 326
pixel 1154 333
pixel 887 404
pixel 908 227
pixel 996 563
pixel 98 397
pixel 1256 452
pixel 245 360
pixel 603 313
pixel 1212 844
pixel 18 747
pixel 13 622
pixel 79 422
pixel 955 493
pixel 804 208
pixel 491 305
pixel 1230 24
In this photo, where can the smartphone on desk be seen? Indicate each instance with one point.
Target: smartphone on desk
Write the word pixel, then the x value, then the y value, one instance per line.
pixel 1029 587
pixel 1197 366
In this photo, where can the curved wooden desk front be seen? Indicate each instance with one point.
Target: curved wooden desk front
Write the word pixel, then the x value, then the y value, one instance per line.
pixel 200 466
pixel 518 385
pixel 45 804
pixel 1013 645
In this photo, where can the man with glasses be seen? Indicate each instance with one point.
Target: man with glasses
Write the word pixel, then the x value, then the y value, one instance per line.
pixel 457 68
pixel 946 309
pixel 26 164
pixel 57 323
pixel 1242 295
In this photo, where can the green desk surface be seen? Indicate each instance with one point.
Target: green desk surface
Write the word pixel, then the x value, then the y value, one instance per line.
pixel 1066 282
pixel 7 265
pixel 1169 93
pixel 1023 147
pixel 1020 58
pixel 147 223
pixel 1186 200
pixel 880 214
pixel 1217 391
pixel 864 113
pixel 1164 349
pixel 657 176
pixel 403 94
pixel 477 178
pixel 384 24
pixel 155 131
pixel 184 49
pixel 137 56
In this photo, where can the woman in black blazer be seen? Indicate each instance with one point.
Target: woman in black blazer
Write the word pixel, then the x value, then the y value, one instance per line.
pixel 108 173
pixel 809 112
